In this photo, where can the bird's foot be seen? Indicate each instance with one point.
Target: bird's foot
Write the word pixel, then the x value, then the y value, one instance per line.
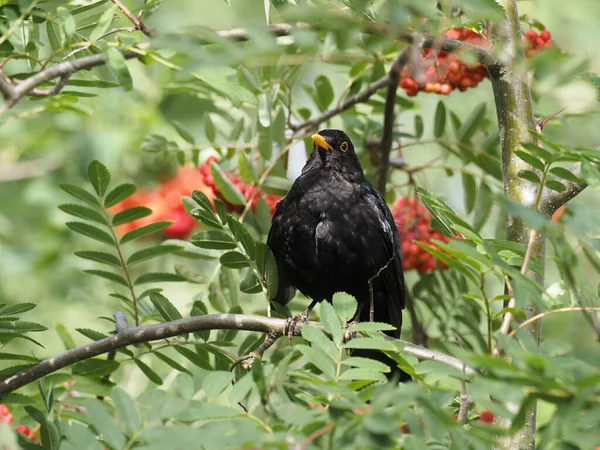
pixel 289 328
pixel 348 335
pixel 247 361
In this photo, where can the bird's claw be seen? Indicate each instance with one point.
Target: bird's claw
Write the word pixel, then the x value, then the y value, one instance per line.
pixel 348 335
pixel 248 359
pixel 289 328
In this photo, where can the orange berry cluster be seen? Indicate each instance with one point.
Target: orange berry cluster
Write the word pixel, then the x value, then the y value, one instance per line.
pixel 413 225
pixel 7 417
pixel 165 201
pixel 441 72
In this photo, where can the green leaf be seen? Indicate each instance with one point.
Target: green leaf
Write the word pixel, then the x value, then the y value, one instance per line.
pixel 225 186
pixel 366 363
pixel 130 215
pixel 108 276
pixel 555 185
pixel 80 193
pixel 151 374
pixel 532 148
pixel 91 334
pixel 66 20
pixel 234 260
pixel 370 343
pixel 203 201
pixel 101 257
pixel 118 194
pixel 531 160
pixel 419 126
pixel 264 110
pixel 265 142
pixel 65 336
pixel 529 176
pixel 172 363
pixel 247 170
pixel 16 309
pixel 240 233
pixel 470 191
pixel 484 205
pixel 246 79
pixel 165 307
pixel 104 424
pixel 590 174
pixel 320 340
pixel 91 231
pixel 250 284
pixel 565 174
pixel 345 306
pixel 363 374
pixel 117 66
pixel 21 326
pixel 185 135
pixel 471 124
pixel 216 240
pixel 126 409
pixel 209 128
pixel 331 322
pixel 324 94
pixel 371 326
pixel 83 212
pixel 207 218
pixel 158 277
pixel 152 252
pixel 439 122
pixel 103 23
pixel 318 359
pixel 145 231
pixel 95 367
pixel 194 358
pixel 267 267
pixel 99 176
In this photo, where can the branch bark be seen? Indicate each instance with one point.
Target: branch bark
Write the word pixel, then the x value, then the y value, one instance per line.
pixel 136 335
pixel 515 120
pixel 389 117
pixel 552 200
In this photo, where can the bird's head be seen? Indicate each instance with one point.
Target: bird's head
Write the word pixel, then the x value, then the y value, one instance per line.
pixel 333 150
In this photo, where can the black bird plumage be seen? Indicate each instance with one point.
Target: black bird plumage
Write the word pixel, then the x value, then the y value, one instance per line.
pixel 334 232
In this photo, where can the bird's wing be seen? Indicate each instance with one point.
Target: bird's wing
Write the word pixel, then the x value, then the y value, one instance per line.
pixel 391 276
pixel 276 241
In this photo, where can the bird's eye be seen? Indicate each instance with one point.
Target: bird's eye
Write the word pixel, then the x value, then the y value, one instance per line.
pixel 344 147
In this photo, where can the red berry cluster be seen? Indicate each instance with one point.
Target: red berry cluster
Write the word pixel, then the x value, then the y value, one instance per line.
pixel 246 189
pixel 535 42
pixel 165 201
pixel 441 72
pixel 413 224
pixel 7 417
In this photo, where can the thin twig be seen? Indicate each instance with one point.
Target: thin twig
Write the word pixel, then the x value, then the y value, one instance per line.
pixel 108 33
pixel 507 319
pixel 159 331
pixel 32 168
pixel 465 400
pixel 370 282
pixel 554 311
pixel 389 117
pixel 136 21
pixel 315 434
pixel 62 82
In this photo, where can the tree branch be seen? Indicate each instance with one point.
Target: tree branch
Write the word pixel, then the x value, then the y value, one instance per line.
pixel 136 21
pixel 136 335
pixel 311 125
pixel 389 117
pixel 12 94
pixel 552 200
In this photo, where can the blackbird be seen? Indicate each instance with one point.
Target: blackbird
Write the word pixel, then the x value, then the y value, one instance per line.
pixel 333 232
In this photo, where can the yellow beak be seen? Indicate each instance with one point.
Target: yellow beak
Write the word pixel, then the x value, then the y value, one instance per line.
pixel 321 142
